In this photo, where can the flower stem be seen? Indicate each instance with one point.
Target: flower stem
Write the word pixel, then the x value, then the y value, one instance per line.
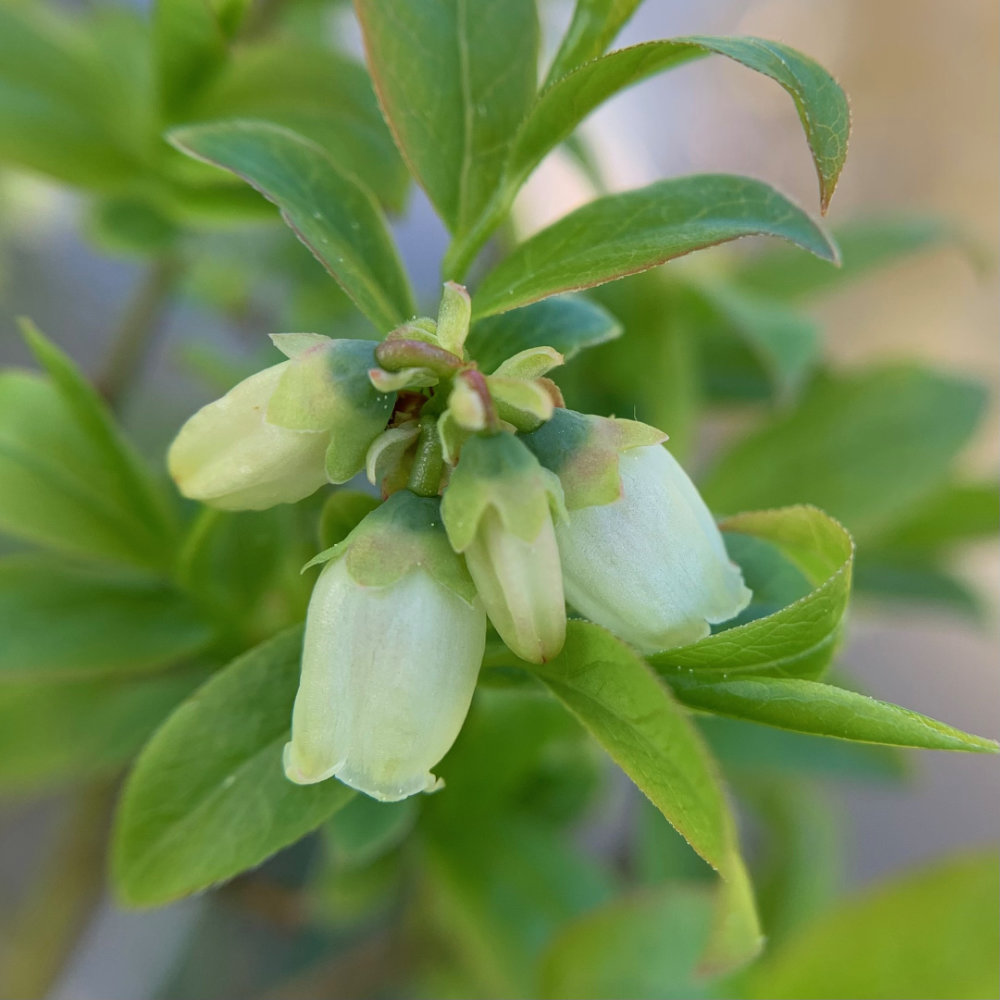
pixel 49 924
pixel 139 324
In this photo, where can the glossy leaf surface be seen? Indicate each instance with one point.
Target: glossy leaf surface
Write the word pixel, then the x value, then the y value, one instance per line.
pixel 329 211
pixel 208 798
pixel 621 234
pixel 455 78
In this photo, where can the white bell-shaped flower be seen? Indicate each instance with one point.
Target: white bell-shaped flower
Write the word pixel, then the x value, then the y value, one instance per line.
pixel 641 554
pixel 229 455
pixel 282 433
pixel 393 644
pixel 651 566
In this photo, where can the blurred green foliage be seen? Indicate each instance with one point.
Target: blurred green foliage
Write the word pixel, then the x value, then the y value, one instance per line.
pixel 538 872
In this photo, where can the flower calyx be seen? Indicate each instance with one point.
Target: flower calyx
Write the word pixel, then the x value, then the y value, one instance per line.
pixel 402 534
pixel 584 451
pixel 283 432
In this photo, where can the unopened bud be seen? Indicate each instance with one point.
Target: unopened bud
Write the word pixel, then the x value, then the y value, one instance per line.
pixel 497 509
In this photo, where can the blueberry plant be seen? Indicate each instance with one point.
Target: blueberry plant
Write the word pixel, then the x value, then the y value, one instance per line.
pixel 524 582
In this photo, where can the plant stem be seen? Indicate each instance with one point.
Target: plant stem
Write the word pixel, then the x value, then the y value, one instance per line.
pixel 464 250
pixel 50 921
pixel 262 19
pixel 428 463
pixel 139 324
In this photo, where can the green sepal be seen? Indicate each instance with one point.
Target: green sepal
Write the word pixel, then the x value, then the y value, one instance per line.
pixel 388 450
pixel 401 353
pixel 530 363
pixel 498 471
pixel 583 451
pixel 466 410
pixel 294 344
pixel 325 385
pixel 423 329
pixel 405 378
pixel 452 436
pixel 403 534
pixel 327 388
pixel 521 402
pixel 453 317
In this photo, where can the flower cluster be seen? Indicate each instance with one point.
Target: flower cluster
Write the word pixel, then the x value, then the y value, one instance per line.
pixel 500 504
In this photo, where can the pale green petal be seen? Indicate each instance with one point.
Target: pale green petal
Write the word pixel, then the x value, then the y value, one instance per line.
pixel 229 456
pixel 651 566
pixel 388 674
pixel 520 583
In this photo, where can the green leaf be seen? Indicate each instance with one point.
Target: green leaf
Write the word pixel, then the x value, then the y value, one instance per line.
pixel 774 580
pixel 931 932
pixel 341 514
pixel 798 640
pixel 71 482
pixel 455 78
pixel 865 245
pixel 624 233
pixel 594 26
pixel 485 772
pixel 330 212
pixel 629 711
pixel 786 344
pixel 866 447
pixel 57 114
pixel 498 900
pixel 207 798
pixel 955 514
pixel 652 372
pixel 564 104
pixel 802 864
pixel 821 104
pixel 887 577
pixel 58 734
pixel 317 93
pixel 643 945
pixel 128 225
pixel 366 830
pixel 810 707
pixel 230 14
pixel 747 750
pixel 61 622
pixel 569 324
pixel 189 47
pixel 246 566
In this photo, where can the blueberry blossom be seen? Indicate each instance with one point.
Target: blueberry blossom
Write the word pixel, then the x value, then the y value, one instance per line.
pixel 641 554
pixel 282 433
pixel 498 510
pixel 393 643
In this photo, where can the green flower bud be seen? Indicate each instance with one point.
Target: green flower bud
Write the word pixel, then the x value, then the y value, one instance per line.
pixel 453 317
pixel 393 643
pixel 497 509
pixel 530 363
pixel 644 559
pixel 281 434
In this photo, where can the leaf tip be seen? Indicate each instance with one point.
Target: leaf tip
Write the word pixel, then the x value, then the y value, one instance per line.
pixel 830 249
pixel 179 137
pixel 39 345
